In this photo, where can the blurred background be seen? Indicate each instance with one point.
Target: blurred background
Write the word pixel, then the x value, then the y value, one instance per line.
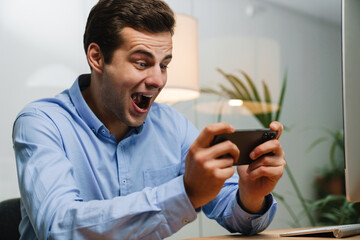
pixel 42 54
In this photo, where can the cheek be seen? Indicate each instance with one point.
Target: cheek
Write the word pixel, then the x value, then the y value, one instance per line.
pixel 165 79
pixel 115 80
pixel 111 88
pixel 121 79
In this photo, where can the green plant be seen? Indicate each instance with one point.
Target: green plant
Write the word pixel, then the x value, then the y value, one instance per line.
pixel 335 210
pixel 330 179
pixel 337 144
pixel 332 207
pixel 245 89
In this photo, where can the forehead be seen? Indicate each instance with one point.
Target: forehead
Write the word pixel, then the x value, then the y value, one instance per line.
pixel 158 42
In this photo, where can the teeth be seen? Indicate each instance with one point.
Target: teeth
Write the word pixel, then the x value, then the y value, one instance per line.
pixel 148 96
pixel 142 100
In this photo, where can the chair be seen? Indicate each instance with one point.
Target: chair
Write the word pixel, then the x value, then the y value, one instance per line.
pixel 10 217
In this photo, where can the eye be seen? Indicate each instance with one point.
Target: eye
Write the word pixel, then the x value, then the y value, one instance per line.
pixel 142 64
pixel 163 67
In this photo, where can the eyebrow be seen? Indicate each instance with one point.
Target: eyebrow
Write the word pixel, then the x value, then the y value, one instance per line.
pixel 150 55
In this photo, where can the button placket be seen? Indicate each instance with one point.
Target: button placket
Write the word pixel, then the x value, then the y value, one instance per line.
pixel 123 168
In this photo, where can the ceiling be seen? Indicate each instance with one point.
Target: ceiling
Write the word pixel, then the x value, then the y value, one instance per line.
pixel 328 10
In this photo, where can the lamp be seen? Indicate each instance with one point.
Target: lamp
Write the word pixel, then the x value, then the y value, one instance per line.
pixel 183 72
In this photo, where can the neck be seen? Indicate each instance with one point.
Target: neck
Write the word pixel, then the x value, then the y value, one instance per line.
pixel 116 127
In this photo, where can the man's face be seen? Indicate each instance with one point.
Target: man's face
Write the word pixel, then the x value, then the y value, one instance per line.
pixel 136 75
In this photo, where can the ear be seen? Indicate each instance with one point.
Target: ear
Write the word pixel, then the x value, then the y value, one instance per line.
pixel 95 57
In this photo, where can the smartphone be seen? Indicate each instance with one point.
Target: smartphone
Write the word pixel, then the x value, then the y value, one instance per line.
pixel 246 141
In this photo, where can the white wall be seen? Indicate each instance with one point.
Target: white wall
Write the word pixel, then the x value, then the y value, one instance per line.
pixel 37 34
pixel 36 38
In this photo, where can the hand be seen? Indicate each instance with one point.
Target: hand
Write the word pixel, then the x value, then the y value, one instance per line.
pixel 206 173
pixel 260 177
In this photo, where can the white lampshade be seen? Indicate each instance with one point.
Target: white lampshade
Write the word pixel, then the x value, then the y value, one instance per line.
pixel 183 72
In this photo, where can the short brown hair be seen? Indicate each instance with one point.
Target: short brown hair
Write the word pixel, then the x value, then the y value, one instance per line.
pixel 108 17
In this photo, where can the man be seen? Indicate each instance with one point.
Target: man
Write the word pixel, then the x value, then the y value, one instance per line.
pixel 102 161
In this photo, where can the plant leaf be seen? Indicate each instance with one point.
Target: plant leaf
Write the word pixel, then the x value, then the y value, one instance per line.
pixel 316 142
pixel 332 155
pixel 237 84
pixel 252 86
pixel 267 107
pixel 211 91
pixel 229 93
pixel 282 95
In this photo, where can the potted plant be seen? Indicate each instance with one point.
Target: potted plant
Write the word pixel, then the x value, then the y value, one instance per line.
pixel 331 178
pixel 331 206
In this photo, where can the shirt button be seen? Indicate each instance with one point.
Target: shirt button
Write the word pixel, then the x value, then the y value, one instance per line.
pixel 93 129
pixel 123 181
pixel 185 221
pixel 103 131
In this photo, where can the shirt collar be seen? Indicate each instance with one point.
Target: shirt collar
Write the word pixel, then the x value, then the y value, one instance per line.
pixel 81 83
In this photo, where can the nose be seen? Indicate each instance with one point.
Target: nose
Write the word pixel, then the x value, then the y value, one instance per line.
pixel 156 78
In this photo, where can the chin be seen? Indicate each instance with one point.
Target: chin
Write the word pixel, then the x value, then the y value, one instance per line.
pixel 136 122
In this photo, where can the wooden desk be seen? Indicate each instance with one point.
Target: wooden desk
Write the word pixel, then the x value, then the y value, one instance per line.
pixel 273 234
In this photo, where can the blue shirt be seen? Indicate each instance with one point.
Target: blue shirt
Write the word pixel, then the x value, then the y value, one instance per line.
pixel 77 182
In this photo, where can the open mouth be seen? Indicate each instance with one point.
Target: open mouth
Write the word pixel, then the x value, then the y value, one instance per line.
pixel 141 100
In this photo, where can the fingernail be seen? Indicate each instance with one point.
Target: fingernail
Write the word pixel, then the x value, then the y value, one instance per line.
pixel 252 155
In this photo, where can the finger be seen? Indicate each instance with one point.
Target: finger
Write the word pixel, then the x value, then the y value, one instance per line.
pixel 207 134
pixel 225 148
pixel 267 161
pixel 277 126
pixel 274 173
pixel 224 173
pixel 217 152
pixel 272 146
pixel 220 163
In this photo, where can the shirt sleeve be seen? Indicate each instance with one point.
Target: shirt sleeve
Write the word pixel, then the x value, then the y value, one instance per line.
pixel 228 213
pixel 54 208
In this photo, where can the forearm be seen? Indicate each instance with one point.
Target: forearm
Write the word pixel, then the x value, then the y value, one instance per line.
pixel 152 213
